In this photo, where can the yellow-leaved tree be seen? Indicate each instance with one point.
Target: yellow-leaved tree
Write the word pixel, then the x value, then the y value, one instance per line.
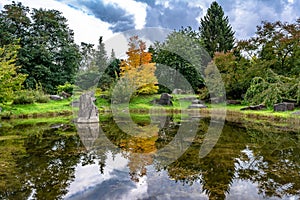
pixel 10 80
pixel 137 69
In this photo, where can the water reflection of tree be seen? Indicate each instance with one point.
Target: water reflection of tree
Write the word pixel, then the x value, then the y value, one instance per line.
pixel 12 180
pixel 138 149
pixel 274 163
pixel 216 170
pixel 49 165
pixel 276 155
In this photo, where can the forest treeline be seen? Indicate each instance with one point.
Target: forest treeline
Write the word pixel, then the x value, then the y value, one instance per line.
pixel 38 56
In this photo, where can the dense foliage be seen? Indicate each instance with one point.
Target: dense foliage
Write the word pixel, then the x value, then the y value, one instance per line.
pixel 96 69
pixel 38 49
pixel 181 54
pixel 10 81
pixel 48 53
pixel 234 70
pixel 216 31
pixel 137 69
pixel 274 56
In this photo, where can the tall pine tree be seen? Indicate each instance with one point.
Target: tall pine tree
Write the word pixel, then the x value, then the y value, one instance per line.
pixel 101 58
pixel 216 31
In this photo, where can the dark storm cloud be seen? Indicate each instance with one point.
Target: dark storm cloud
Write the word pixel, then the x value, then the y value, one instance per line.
pixel 121 26
pixel 119 19
pixel 244 15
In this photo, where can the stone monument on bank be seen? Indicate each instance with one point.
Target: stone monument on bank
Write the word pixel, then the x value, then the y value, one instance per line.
pixel 88 112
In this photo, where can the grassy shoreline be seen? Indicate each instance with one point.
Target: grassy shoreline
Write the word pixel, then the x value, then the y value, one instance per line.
pixel 35 110
pixel 142 105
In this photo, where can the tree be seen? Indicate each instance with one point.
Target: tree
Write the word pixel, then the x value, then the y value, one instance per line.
pixel 273 89
pixel 138 68
pixel 56 57
pixel 88 74
pixel 235 74
pixel 87 53
pixel 10 80
pixel 216 31
pixel 14 23
pixel 48 53
pixel 274 58
pixel 275 46
pixel 113 69
pixel 111 72
pixel 101 59
pixel 180 55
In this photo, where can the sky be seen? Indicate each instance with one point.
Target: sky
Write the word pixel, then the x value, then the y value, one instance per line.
pixel 91 19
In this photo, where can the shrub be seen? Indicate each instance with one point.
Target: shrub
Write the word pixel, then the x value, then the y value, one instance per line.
pixel 122 91
pixel 272 89
pixel 24 97
pixel 67 87
pixel 5 115
pixel 40 96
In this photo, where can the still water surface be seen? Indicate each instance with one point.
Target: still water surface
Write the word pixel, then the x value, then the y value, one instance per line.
pixel 65 161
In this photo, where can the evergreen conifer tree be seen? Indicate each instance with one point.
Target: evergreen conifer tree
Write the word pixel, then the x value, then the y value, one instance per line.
pixel 216 31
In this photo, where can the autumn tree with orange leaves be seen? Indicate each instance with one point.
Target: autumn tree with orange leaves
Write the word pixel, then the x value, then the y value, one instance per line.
pixel 137 69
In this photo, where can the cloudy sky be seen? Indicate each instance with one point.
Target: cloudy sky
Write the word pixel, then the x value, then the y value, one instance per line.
pixel 92 18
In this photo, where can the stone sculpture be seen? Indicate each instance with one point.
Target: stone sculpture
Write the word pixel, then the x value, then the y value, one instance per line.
pixel 88 112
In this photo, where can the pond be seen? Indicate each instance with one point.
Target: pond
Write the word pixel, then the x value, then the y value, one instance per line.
pixel 40 159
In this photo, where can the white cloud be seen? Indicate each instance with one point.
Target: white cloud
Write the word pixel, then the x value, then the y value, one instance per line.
pixel 242 20
pixel 137 9
pixel 88 176
pixel 243 15
pixel 288 13
pixel 87 28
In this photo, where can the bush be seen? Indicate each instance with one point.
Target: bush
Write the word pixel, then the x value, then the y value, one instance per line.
pixel 40 96
pixel 272 89
pixel 30 96
pixel 122 91
pixel 67 87
pixel 24 97
pixel 5 115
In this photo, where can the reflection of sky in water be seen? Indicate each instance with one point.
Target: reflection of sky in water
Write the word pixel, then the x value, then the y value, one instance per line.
pixel 115 183
pixel 244 188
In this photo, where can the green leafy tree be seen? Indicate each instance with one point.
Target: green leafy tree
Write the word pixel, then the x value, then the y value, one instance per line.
pixel 88 74
pixel 275 46
pixel 234 70
pixel 102 63
pixel 14 23
pixel 215 30
pixel 274 58
pixel 111 73
pixel 183 53
pixel 113 69
pixel 95 66
pixel 10 81
pixel 87 52
pixel 273 89
pixel 56 57
pixel 48 53
pixel 101 59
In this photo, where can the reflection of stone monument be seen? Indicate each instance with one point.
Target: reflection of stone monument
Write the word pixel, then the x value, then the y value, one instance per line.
pixel 88 112
pixel 88 133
